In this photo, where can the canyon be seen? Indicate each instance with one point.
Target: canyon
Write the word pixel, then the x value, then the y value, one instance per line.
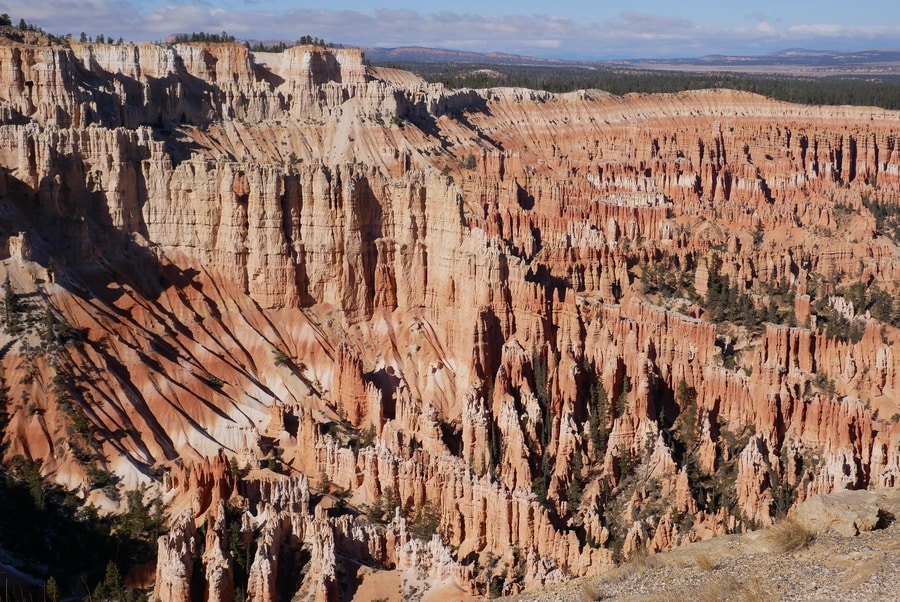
pixel 364 329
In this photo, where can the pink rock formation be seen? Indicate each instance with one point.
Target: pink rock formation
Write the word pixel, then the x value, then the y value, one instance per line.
pixel 284 262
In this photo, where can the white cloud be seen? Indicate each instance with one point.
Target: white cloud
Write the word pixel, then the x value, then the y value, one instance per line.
pixel 59 16
pixel 631 34
pixel 862 32
pixel 645 24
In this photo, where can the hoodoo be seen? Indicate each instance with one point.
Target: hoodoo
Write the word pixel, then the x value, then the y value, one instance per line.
pixel 353 327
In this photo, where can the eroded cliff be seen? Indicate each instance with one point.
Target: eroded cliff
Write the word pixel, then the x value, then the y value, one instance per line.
pixel 484 340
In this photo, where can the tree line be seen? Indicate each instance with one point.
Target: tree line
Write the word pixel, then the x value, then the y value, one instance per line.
pixel 225 37
pixel 835 90
pixel 214 38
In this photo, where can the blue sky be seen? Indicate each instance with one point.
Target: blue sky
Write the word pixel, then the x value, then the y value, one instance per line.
pixel 608 29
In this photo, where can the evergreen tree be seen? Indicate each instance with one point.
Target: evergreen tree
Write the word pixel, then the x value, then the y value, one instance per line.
pixel 576 485
pixel 10 307
pixel 51 590
pixel 425 523
pixel 110 589
pixel 598 427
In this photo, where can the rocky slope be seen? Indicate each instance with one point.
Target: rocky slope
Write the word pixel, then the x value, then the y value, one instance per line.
pixel 353 325
pixel 852 556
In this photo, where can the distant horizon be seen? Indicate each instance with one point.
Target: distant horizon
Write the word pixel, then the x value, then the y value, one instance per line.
pixel 601 60
pixel 274 41
pixel 617 30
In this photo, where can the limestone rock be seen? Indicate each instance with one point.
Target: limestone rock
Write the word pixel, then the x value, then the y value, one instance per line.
pixel 845 512
pixel 174 567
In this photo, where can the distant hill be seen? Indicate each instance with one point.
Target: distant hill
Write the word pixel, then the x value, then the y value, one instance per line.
pixel 795 56
pixel 419 54
pixel 798 61
pixel 790 61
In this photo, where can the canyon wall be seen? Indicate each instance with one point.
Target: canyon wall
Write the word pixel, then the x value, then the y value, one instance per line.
pixel 471 337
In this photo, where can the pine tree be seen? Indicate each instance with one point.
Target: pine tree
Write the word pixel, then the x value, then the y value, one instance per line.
pixel 576 485
pixel 110 589
pixel 10 307
pixel 598 428
pixel 51 590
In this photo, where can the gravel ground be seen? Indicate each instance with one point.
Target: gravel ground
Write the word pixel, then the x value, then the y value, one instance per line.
pixel 751 567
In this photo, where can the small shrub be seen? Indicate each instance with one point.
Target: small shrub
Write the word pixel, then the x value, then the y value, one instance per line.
pixel 539 487
pixel 789 536
pixel 643 560
pixel 382 509
pixel 281 358
pixel 590 592
pixel 325 483
pixel 368 437
pixel 825 384
pixel 705 562
pixel 495 589
pixel 731 588
pixel 425 523
pixel 212 380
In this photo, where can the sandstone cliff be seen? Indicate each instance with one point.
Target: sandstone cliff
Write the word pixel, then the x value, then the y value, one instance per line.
pixel 490 338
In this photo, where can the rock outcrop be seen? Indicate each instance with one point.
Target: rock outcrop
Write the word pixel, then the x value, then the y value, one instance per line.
pixel 489 338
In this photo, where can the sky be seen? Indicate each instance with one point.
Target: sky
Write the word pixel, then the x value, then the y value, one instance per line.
pixel 598 30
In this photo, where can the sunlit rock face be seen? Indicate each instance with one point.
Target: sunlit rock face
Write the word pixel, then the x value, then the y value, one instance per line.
pixel 446 334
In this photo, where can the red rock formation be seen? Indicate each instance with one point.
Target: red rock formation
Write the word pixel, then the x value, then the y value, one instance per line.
pixel 306 276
